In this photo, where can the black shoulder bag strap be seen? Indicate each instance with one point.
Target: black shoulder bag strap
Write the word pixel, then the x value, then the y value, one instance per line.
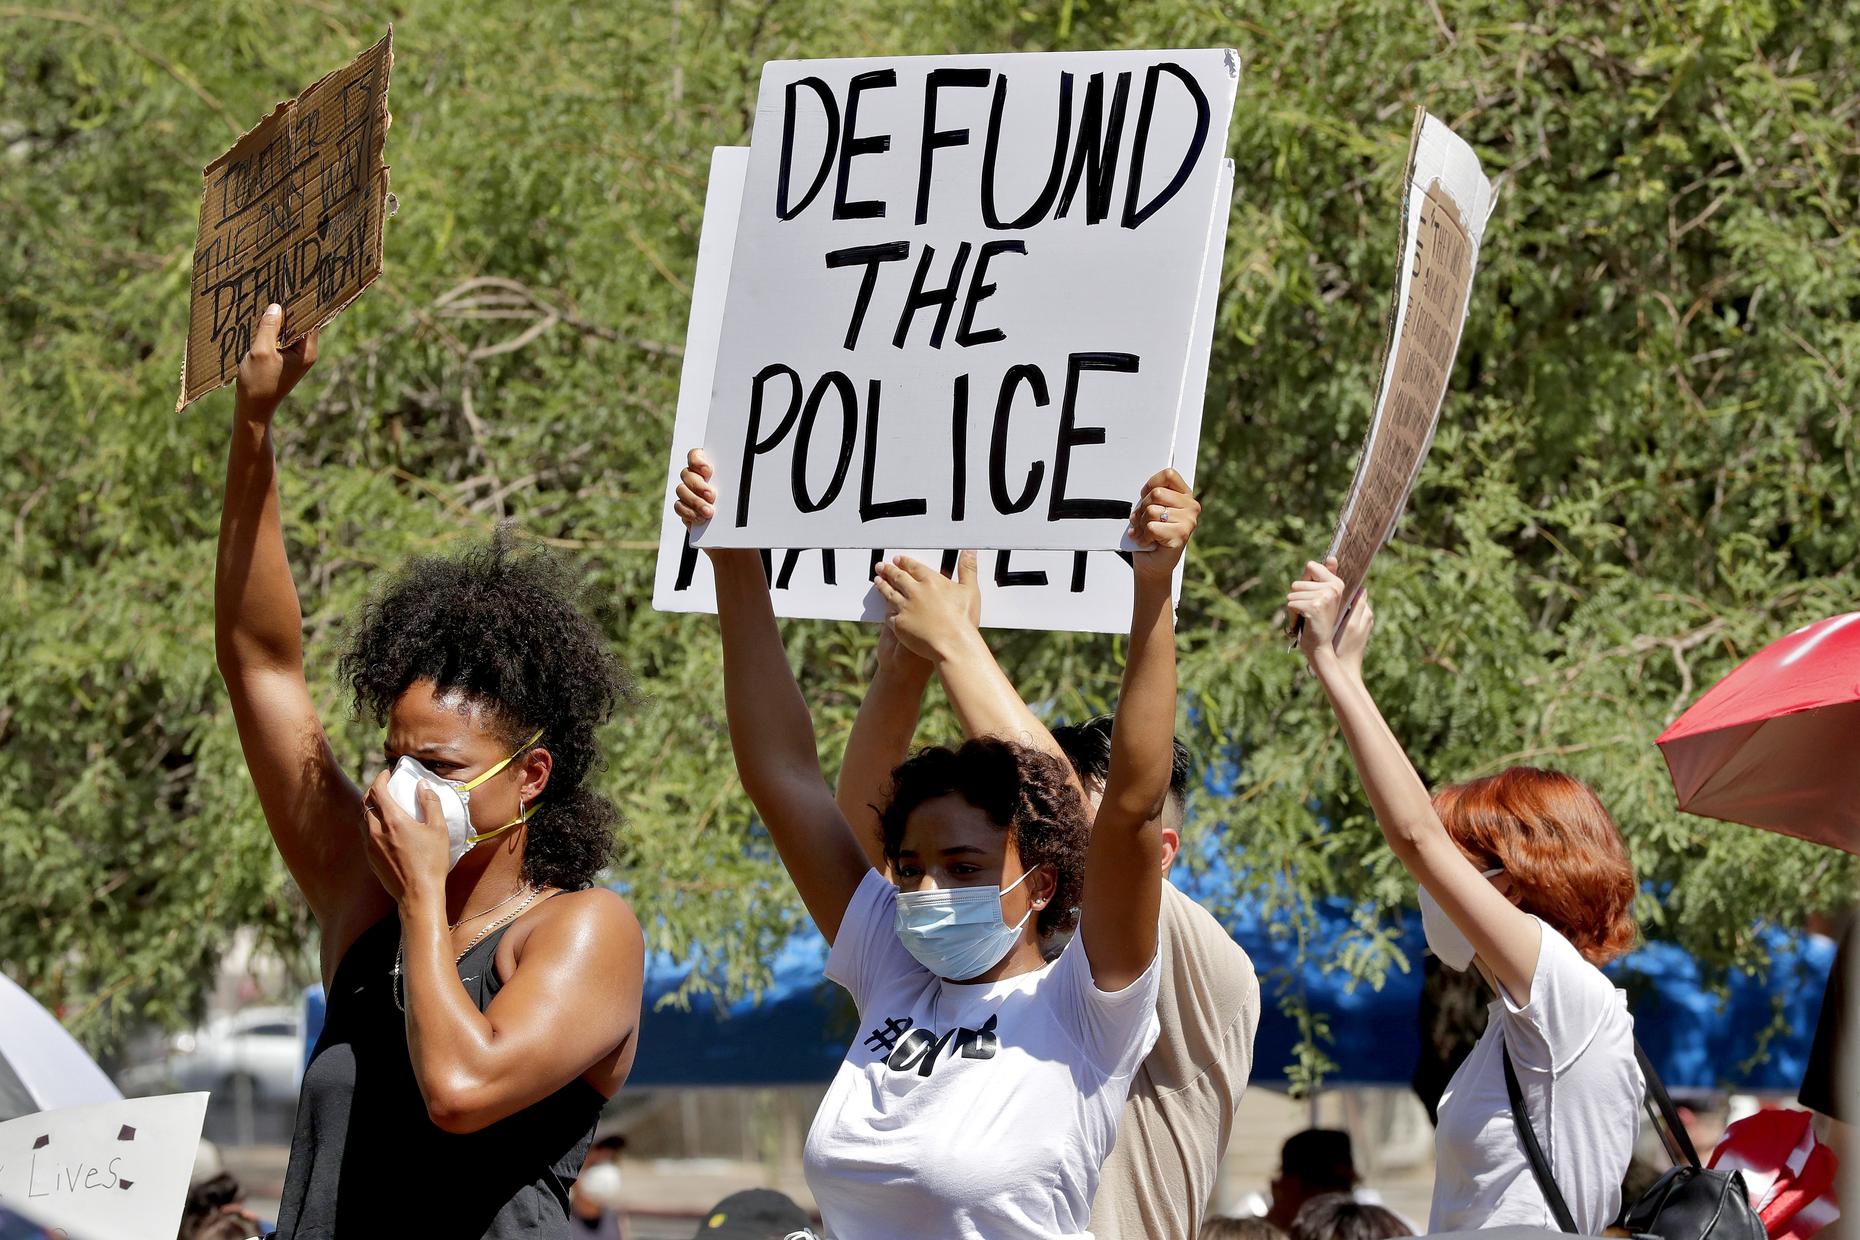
pixel 1527 1135
pixel 1665 1115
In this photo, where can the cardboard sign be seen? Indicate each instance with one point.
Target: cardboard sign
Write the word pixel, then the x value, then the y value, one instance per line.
pixel 962 297
pixel 111 1171
pixel 1080 591
pixel 291 214
pixel 1445 205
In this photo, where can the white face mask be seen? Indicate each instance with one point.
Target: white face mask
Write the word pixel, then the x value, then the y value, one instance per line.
pixel 454 800
pixel 601 1185
pixel 1444 939
pixel 958 932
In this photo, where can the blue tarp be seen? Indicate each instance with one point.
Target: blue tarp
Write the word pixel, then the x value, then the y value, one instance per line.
pixel 799 1029
pixel 803 1024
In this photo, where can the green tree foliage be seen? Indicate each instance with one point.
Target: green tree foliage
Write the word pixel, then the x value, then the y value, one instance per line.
pixel 1645 469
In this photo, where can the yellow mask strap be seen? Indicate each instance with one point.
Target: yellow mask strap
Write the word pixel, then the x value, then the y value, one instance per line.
pixel 519 820
pixel 521 749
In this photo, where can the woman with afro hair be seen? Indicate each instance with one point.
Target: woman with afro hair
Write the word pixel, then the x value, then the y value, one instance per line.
pixel 1524 876
pixel 483 995
pixel 984 1084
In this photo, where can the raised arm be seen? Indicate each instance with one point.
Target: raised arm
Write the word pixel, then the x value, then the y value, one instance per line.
pixel 771 732
pixel 1506 938
pixel 309 803
pixel 1123 867
pixel 880 740
pixel 938 617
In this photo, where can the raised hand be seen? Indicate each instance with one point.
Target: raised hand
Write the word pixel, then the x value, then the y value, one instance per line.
pixel 894 655
pixel 1317 599
pixel 1356 630
pixel 410 856
pixel 1161 524
pixel 931 615
pixel 267 373
pixel 696 497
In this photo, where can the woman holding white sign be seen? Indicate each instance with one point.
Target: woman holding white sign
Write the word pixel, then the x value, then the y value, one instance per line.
pixel 483 1000
pixel 1524 876
pixel 983 1089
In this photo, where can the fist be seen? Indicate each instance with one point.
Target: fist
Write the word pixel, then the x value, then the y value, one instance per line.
pixel 1161 524
pixel 695 500
pixel 267 373
pixel 1317 599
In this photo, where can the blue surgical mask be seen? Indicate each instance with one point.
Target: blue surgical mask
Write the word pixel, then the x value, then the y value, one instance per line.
pixel 958 932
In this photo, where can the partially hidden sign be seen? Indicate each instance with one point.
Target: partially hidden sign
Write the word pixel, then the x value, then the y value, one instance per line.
pixel 962 296
pixel 291 214
pixel 111 1171
pixel 1080 591
pixel 1445 205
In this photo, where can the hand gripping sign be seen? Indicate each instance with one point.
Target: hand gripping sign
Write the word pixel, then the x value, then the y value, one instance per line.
pixel 962 297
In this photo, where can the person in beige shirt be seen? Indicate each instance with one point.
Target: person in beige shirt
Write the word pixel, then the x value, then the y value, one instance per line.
pixel 1176 1124
pixel 1181 1109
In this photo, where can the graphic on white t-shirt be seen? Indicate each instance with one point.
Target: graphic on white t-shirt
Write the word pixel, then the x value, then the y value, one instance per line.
pixel 918 1050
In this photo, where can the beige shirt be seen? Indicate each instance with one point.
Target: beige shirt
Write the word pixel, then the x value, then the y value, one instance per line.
pixel 1156 1184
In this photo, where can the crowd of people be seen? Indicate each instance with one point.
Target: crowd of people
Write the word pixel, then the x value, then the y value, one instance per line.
pixel 1052 1039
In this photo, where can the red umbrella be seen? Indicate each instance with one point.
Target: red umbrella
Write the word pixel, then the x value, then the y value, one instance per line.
pixel 1776 744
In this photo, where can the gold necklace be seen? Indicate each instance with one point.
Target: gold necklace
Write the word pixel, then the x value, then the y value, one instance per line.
pixel 400 949
pixel 485 912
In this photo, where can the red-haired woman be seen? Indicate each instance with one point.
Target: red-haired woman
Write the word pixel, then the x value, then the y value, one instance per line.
pixel 1524 876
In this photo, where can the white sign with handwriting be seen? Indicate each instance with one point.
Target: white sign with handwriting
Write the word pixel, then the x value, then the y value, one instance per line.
pixel 1076 591
pixel 109 1171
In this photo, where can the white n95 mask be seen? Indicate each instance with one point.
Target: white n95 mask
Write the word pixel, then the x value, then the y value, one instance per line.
pixel 1444 939
pixel 958 932
pixel 454 800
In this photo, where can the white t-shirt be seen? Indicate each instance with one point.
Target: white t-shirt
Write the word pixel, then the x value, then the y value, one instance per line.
pixel 1572 1046
pixel 969 1112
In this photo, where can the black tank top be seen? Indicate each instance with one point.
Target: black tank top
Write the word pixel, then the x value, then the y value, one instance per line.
pixel 367 1161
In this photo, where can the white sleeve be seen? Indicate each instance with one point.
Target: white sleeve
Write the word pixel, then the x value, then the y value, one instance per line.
pixel 1115 1028
pixel 866 950
pixel 1570 999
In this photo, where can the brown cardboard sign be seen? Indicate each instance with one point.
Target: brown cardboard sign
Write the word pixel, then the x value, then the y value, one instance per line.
pixel 1423 358
pixel 1440 246
pixel 291 214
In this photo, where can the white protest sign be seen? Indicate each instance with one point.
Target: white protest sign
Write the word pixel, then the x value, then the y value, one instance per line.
pixel 962 296
pixel 1080 591
pixel 109 1171
pixel 1446 201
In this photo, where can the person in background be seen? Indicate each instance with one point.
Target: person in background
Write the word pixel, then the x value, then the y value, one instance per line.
pixel 1525 877
pixel 755 1214
pixel 594 1204
pixel 215 1209
pixel 1831 1081
pixel 1339 1216
pixel 1225 1228
pixel 1312 1163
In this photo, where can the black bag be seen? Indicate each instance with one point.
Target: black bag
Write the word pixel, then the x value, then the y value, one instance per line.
pixel 1689 1202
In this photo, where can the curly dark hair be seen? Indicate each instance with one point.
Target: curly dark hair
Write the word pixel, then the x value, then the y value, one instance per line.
pixel 1023 791
pixel 498 622
pixel 1088 746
